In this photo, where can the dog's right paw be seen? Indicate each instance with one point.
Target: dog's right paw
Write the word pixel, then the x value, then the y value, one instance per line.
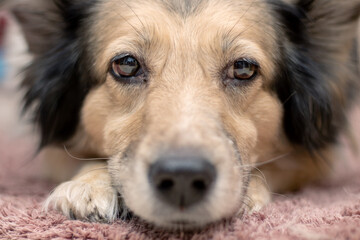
pixel 90 197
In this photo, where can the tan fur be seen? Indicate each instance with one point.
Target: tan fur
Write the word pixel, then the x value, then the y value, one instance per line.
pixel 184 105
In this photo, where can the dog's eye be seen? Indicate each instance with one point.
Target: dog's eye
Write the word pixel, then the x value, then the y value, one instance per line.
pixel 243 70
pixel 125 67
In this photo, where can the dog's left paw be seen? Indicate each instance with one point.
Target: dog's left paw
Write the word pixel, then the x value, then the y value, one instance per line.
pixel 258 195
pixel 89 197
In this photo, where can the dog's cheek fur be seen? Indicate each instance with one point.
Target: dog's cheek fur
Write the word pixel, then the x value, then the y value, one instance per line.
pixel 316 80
pixel 56 82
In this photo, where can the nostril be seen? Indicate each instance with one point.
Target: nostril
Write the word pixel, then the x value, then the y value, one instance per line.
pixel 165 184
pixel 199 185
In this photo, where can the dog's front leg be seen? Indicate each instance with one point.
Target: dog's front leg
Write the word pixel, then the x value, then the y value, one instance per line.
pixel 88 196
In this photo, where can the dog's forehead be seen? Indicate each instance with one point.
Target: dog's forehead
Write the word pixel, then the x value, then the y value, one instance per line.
pixel 227 12
pixel 184 7
pixel 161 23
pixel 136 15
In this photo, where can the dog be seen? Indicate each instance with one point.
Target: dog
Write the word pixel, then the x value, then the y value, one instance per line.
pixel 187 112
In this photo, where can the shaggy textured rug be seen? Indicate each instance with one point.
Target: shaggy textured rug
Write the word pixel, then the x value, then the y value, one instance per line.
pixel 328 210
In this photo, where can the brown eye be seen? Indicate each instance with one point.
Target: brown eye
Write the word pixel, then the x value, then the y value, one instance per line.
pixel 125 67
pixel 243 70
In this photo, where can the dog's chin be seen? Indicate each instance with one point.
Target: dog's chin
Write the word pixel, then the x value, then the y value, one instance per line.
pixel 178 225
pixel 181 221
pixel 185 225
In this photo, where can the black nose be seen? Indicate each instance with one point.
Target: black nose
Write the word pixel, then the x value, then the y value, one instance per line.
pixel 182 181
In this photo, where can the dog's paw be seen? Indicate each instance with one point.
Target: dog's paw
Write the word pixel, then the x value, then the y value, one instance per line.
pixel 89 198
pixel 258 195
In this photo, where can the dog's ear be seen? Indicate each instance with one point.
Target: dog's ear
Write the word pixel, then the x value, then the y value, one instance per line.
pixel 318 73
pixel 55 82
pixel 40 22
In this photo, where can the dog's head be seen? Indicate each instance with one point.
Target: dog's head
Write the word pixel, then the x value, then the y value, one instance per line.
pixel 184 96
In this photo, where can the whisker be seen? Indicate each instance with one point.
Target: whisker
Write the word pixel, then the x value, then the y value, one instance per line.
pixel 262 177
pixel 279 194
pixel 82 159
pixel 137 16
pixel 288 99
pixel 269 161
pixel 257 176
pixel 272 193
pixel 255 22
pixel 246 11
pixel 124 212
pixel 139 32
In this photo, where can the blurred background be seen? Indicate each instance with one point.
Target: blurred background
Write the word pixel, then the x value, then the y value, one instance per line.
pixel 13 58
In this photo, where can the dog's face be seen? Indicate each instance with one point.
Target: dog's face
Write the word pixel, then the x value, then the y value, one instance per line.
pixel 184 96
pixel 186 92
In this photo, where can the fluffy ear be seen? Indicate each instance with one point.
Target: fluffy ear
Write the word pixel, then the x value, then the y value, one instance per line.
pixel 55 82
pixel 319 75
pixel 40 23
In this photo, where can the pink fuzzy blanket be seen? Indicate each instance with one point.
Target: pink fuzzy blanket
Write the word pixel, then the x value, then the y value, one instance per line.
pixel 328 210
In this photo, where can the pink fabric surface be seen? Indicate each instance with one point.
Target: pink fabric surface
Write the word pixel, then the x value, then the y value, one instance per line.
pixel 329 210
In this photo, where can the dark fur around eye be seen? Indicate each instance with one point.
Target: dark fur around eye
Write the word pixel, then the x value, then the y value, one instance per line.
pixel 313 110
pixel 54 82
